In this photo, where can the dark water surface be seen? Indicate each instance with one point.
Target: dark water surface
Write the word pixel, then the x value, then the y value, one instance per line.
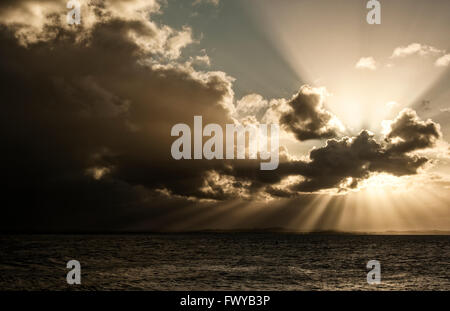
pixel 224 261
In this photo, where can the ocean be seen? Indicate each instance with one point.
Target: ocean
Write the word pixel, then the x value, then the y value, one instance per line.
pixel 225 261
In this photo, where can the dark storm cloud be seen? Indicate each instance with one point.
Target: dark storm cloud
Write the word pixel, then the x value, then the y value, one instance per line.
pixel 85 122
pixel 308 118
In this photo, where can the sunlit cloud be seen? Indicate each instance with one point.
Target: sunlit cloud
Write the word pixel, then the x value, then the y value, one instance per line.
pixel 415 49
pixel 443 61
pixel 366 63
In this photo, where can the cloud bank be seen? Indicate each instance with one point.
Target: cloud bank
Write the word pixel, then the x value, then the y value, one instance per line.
pixel 87 113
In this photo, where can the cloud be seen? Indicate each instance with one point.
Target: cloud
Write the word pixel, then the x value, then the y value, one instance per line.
pixel 178 41
pixel 203 59
pixel 221 186
pixel 443 61
pixel 213 2
pixel 87 112
pixel 33 22
pixel 91 134
pixel 408 133
pixel 345 162
pixel 252 104
pixel 307 118
pixel 415 49
pixel 366 63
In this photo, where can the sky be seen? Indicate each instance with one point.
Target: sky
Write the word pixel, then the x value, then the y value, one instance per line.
pixel 363 112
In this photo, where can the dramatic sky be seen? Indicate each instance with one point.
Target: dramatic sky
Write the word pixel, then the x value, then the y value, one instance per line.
pixel 87 112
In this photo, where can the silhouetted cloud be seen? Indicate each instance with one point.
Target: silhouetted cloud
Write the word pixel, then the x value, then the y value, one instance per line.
pixel 345 162
pixel 307 117
pixel 408 133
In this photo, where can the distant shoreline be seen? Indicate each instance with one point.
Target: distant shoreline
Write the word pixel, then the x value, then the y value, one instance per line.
pixel 236 231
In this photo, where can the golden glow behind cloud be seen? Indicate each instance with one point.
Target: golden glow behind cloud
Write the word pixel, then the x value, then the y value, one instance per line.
pixel 122 82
